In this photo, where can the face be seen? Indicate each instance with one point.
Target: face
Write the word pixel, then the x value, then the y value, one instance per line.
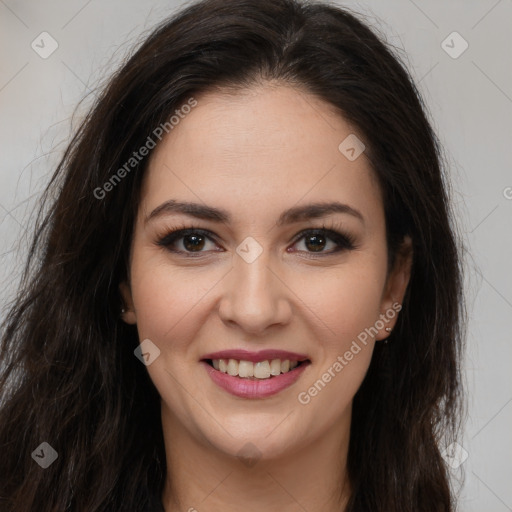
pixel 260 270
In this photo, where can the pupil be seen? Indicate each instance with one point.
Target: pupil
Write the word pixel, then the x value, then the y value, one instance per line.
pixel 193 242
pixel 316 246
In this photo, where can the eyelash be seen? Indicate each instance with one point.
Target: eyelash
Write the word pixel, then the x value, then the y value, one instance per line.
pixel 344 241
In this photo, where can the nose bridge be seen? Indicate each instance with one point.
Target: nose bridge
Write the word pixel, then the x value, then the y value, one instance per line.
pixel 254 297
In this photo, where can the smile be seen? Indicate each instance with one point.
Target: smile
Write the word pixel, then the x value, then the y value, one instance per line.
pixel 249 370
pixel 255 375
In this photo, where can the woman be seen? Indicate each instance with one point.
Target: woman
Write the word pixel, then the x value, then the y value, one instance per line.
pixel 244 292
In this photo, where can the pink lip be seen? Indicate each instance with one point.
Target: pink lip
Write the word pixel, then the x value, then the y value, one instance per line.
pixel 256 357
pixel 247 388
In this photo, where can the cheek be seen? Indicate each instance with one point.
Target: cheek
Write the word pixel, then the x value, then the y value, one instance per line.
pixel 165 298
pixel 346 300
pixel 170 312
pixel 348 307
pixel 171 301
pixel 344 305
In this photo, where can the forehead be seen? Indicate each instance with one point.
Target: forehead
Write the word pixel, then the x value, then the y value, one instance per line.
pixel 268 146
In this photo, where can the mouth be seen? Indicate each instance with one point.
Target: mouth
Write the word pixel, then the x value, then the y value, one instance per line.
pixel 251 375
pixel 260 370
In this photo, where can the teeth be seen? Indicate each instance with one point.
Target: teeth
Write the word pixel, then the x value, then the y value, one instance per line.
pixel 245 369
pixel 233 367
pixel 260 370
pixel 275 367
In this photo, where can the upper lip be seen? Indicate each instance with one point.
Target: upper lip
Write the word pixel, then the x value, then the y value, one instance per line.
pixel 256 357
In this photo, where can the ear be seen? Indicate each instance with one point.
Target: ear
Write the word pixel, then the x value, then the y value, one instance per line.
pixel 396 286
pixel 128 315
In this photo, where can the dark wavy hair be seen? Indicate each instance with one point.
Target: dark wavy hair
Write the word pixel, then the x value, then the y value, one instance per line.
pixel 68 373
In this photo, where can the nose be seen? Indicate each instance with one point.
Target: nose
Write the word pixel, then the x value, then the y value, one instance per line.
pixel 254 296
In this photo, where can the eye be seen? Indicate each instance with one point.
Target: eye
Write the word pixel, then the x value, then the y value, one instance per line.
pixel 192 241
pixel 317 240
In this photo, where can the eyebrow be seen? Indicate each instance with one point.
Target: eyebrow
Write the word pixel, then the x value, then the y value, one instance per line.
pixel 294 214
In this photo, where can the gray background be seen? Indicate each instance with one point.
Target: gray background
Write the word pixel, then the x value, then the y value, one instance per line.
pixel 470 102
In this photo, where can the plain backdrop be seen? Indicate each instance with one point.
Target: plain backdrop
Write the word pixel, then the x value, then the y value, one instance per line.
pixel 469 98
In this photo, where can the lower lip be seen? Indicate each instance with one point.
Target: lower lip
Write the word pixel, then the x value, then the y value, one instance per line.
pixel 248 388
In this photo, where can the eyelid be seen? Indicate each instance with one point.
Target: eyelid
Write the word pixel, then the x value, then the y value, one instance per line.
pixel 343 239
pixel 330 233
pixel 180 232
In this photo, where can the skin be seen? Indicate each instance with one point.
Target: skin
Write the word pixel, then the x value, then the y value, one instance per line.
pixel 256 153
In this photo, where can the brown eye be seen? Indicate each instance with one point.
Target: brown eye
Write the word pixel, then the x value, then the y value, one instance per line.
pixel 187 241
pixel 324 241
pixel 193 242
pixel 316 243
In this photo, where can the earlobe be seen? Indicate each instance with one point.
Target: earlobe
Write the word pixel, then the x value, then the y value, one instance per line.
pixel 396 287
pixel 401 274
pixel 127 311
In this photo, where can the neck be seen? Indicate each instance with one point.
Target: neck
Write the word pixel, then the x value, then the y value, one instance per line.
pixel 201 477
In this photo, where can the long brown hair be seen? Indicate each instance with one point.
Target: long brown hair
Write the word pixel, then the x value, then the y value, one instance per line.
pixel 68 373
